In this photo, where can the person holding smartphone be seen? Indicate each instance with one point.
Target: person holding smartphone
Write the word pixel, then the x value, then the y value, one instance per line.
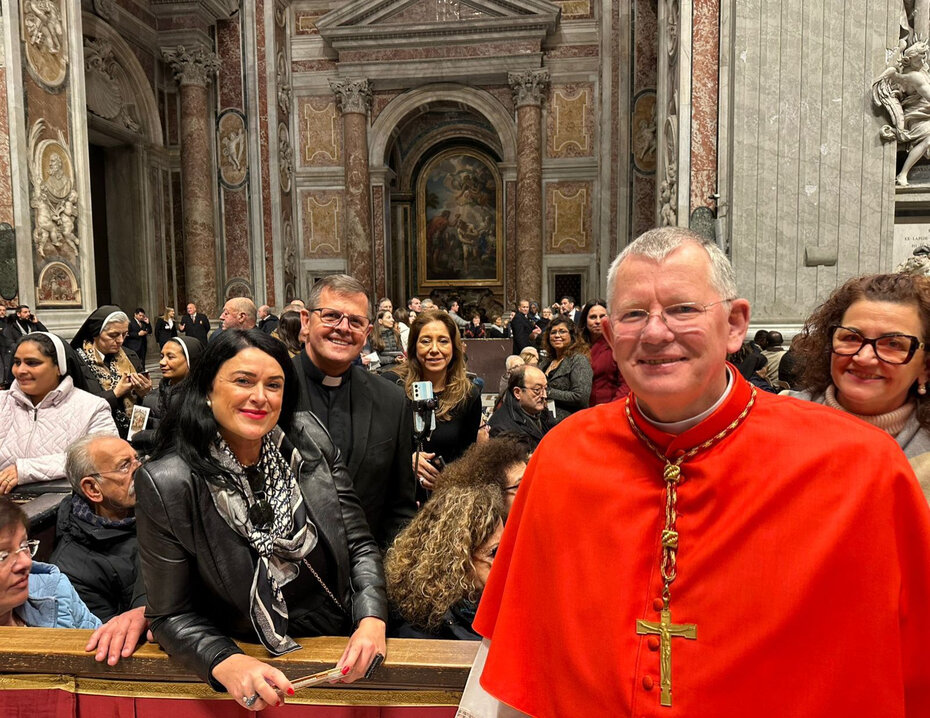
pixel 112 371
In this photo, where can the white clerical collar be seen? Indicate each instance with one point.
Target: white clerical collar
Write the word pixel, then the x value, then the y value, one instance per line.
pixel 679 427
pixel 331 380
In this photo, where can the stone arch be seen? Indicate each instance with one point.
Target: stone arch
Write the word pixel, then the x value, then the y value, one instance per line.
pixel 479 100
pixel 142 96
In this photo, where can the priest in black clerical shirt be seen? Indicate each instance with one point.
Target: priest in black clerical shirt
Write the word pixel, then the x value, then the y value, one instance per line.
pixel 368 417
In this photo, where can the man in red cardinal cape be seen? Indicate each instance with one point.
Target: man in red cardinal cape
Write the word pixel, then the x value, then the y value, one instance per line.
pixel 705 549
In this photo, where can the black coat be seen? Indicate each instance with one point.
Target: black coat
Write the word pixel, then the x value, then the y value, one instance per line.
pixel 199 572
pixel 197 327
pixel 138 344
pixel 102 563
pixel 380 460
pixel 163 333
pixel 269 323
pixel 511 418
pixel 521 329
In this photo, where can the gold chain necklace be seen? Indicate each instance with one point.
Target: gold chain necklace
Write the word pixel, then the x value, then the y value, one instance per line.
pixel 668 566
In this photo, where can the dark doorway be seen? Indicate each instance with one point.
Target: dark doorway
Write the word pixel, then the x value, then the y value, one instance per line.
pixel 568 285
pixel 98 205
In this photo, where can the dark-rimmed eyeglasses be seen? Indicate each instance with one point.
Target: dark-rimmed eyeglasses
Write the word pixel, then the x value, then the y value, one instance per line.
pixel 893 348
pixel 260 511
pixel 30 546
pixel 537 390
pixel 333 318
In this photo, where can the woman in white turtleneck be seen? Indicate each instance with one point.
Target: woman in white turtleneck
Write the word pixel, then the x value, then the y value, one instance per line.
pixel 863 352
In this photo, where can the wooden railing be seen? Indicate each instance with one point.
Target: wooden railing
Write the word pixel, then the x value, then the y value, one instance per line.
pixel 416 672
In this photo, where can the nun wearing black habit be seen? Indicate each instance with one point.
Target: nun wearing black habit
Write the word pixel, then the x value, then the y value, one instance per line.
pixel 112 371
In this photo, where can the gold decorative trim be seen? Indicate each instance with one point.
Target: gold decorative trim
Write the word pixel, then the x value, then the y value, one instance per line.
pixel 201 691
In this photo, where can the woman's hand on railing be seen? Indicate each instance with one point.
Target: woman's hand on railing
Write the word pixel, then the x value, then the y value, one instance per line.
pixel 367 642
pixel 252 683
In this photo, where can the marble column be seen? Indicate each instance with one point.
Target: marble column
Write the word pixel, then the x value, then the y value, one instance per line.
pixel 528 88
pixel 353 98
pixel 193 69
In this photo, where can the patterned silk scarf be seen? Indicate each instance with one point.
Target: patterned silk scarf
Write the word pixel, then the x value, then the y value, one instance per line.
pixel 280 545
pixel 109 374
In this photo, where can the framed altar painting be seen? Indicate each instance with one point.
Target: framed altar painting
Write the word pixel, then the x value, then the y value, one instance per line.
pixel 460 220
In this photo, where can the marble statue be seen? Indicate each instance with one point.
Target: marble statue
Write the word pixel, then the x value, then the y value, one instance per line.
pixel 903 90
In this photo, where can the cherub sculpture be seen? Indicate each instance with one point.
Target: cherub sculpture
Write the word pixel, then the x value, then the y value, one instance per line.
pixel 903 90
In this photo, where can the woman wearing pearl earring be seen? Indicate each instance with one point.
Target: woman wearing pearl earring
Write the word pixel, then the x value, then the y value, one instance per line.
pixel 864 352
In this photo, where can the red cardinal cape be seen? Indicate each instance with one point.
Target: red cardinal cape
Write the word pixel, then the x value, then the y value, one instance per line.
pixel 803 562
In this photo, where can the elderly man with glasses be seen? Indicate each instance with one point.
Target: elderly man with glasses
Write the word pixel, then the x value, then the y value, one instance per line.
pixel 368 417
pixel 523 410
pixel 661 559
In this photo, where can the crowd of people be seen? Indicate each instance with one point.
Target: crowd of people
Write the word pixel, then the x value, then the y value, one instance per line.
pixel 332 470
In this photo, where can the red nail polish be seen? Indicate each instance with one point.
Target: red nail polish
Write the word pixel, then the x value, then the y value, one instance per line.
pixel 345 669
pixel 290 691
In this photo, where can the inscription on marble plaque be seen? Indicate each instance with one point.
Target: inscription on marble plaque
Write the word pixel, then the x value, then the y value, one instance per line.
pixel 9 286
pixel 908 237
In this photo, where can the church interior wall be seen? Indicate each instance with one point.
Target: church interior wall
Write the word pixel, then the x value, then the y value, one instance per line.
pixel 806 170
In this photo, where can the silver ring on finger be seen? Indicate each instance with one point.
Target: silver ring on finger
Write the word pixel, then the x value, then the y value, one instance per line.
pixel 249 701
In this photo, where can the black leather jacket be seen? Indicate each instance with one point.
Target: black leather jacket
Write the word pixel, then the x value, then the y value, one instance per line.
pixel 198 571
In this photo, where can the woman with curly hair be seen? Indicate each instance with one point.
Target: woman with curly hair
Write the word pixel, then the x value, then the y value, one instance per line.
pixel 438 565
pixel 435 353
pixel 567 367
pixel 863 352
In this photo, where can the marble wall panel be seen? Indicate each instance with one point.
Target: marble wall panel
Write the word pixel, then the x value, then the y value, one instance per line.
pixel 380 100
pixel 139 10
pixel 504 95
pixel 298 66
pixel 572 51
pixel 6 178
pixel 174 201
pixel 705 69
pixel 510 247
pixel 229 51
pixel 576 9
pixel 378 239
pixel 643 126
pixel 172 125
pixel 268 202
pixel 570 121
pixel 321 213
pixel 305 23
pixel 568 217
pixel 236 233
pixel 321 130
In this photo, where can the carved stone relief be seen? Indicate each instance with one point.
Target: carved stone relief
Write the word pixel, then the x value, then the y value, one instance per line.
pixel 58 286
pixel 105 8
pixel 284 87
pixel 320 223
pixel 194 66
pixel 46 40
pixel 352 95
pixel 668 187
pixel 107 84
pixel 290 254
pixel 903 90
pixel 528 86
pixel 285 158
pixel 234 150
pixel 54 199
pixel 645 131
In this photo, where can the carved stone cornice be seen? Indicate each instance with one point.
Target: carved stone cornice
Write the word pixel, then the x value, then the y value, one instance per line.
pixel 192 67
pixel 352 95
pixel 528 86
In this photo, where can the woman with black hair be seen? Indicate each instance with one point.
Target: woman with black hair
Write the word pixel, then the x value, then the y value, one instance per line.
pixel 607 383
pixel 567 367
pixel 247 533
pixel 112 371
pixel 178 356
pixel 44 410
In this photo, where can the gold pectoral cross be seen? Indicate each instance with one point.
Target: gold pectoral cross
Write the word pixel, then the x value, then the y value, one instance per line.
pixel 666 630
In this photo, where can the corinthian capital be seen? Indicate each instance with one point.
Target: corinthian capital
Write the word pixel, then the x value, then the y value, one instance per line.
pixel 352 95
pixel 528 86
pixel 191 67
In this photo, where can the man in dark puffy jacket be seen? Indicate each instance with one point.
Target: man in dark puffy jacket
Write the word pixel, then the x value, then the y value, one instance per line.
pixel 523 410
pixel 97 547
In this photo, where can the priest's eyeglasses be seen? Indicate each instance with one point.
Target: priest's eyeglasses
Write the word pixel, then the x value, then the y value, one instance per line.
pixel 676 316
pixel 889 348
pixel 333 318
pixel 29 546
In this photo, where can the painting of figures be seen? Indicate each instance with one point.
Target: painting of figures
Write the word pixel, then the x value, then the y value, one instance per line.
pixel 459 212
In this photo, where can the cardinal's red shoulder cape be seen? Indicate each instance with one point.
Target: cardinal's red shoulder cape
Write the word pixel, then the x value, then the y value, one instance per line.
pixel 804 561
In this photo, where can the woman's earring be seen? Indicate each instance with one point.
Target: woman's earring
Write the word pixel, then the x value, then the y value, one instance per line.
pixel 210 403
pixel 922 388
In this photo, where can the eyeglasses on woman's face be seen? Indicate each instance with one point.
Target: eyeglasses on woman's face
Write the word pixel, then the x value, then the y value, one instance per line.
pixel 30 547
pixel 893 348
